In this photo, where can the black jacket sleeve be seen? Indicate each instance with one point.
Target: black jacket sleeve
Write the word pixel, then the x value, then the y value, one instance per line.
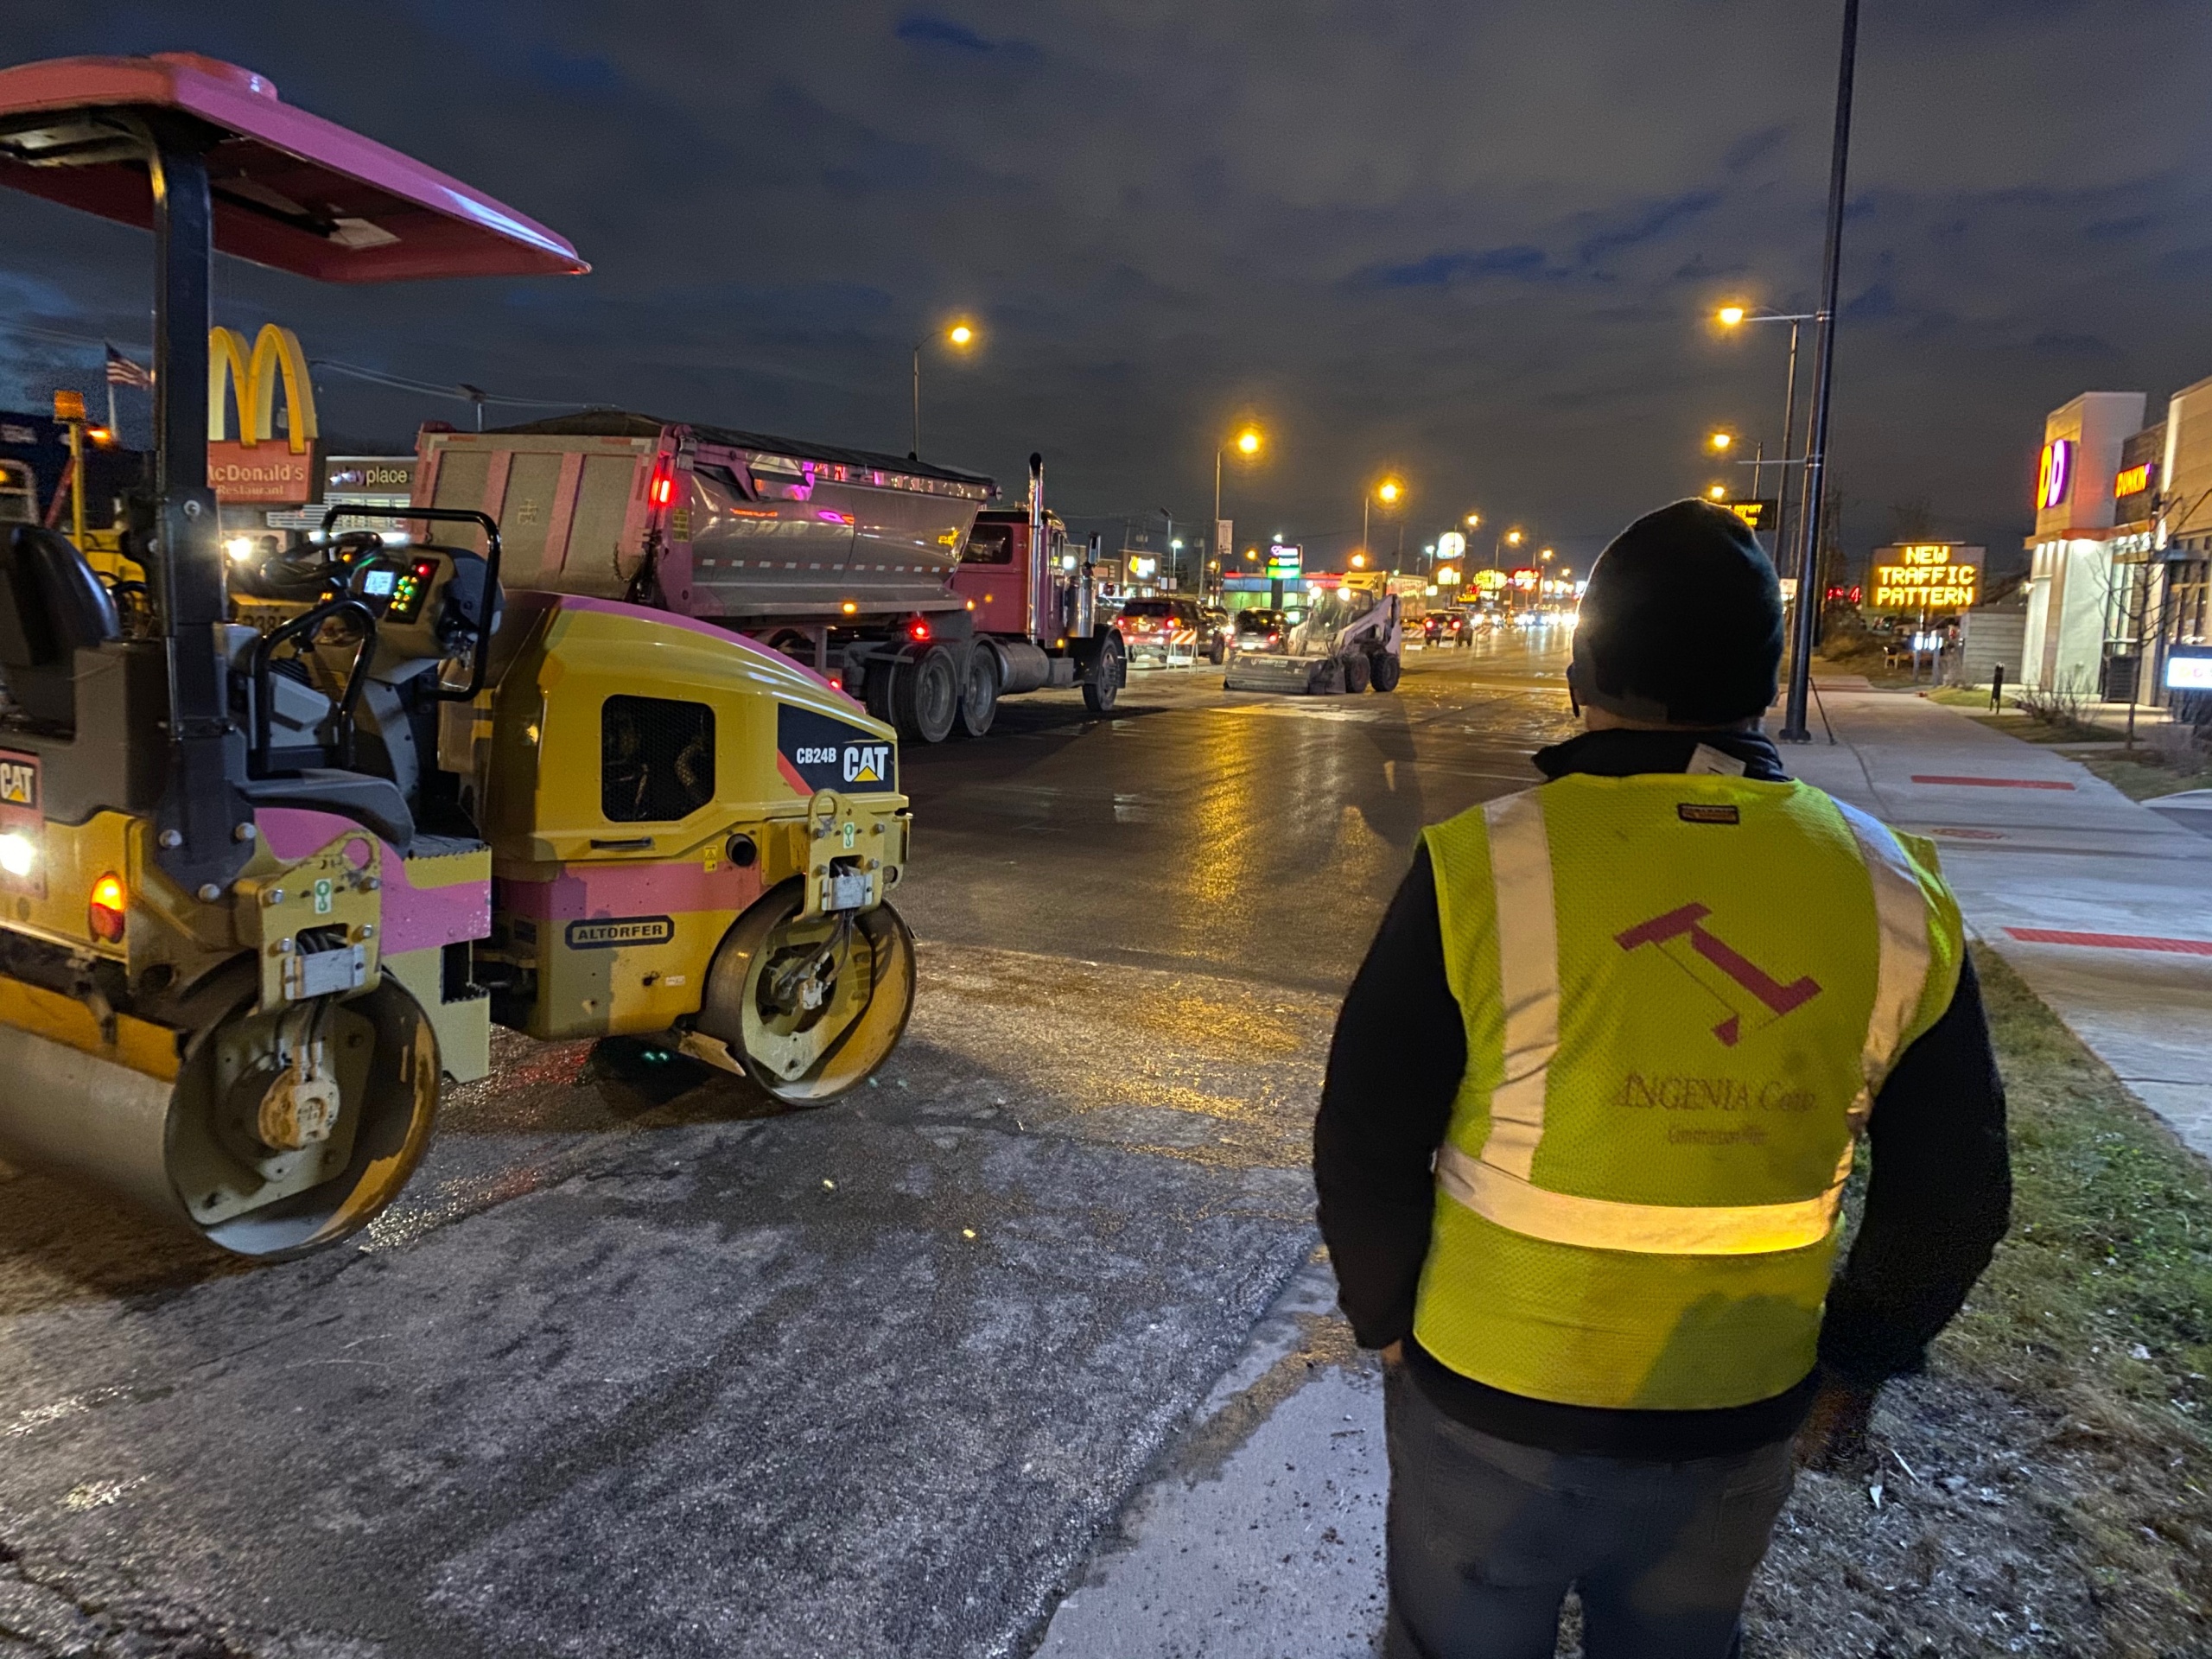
pixel 1394 1067
pixel 1939 1199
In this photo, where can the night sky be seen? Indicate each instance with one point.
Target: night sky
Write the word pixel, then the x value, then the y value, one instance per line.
pixel 1475 245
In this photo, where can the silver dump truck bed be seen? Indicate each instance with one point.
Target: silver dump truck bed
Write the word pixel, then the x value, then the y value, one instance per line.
pixel 739 526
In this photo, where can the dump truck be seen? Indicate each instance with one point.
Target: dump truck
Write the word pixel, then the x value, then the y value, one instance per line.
pixel 266 883
pixel 896 580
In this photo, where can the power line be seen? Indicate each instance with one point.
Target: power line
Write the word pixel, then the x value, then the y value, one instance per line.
pixel 457 392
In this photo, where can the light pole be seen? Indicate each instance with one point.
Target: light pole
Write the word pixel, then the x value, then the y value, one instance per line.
pixel 1734 316
pixel 1248 442
pixel 960 335
pixel 1388 492
pixel 1723 442
pixel 1807 536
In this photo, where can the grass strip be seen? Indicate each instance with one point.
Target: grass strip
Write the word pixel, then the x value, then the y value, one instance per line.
pixel 2099 1305
pixel 2142 777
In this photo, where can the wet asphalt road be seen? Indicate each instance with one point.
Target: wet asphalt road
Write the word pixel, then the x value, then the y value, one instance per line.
pixel 640 1367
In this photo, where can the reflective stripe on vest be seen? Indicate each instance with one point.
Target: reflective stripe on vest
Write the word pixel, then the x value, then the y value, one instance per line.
pixel 1527 960
pixel 1651 1228
pixel 1901 974
pixel 1498 1185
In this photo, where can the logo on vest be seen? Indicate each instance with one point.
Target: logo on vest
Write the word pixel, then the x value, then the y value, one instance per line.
pixel 1753 998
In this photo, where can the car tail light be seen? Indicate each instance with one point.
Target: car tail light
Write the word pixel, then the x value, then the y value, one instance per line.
pixel 107 908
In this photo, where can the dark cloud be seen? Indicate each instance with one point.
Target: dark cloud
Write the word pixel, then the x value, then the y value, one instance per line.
pixel 1477 246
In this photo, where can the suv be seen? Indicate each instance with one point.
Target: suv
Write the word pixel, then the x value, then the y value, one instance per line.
pixel 1165 628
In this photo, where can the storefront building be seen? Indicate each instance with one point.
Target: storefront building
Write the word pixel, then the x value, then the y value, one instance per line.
pixel 2179 619
pixel 2070 556
pixel 2120 572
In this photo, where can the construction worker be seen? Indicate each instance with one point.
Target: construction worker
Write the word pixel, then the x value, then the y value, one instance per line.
pixel 1589 1215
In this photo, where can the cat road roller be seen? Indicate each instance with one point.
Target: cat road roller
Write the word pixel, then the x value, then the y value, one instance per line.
pixel 275 857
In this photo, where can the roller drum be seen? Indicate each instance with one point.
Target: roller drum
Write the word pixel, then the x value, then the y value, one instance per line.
pixel 183 1151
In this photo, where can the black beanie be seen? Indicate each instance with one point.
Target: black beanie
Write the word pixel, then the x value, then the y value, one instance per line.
pixel 1681 623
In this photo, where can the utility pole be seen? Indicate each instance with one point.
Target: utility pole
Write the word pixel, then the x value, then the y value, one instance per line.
pixel 1794 728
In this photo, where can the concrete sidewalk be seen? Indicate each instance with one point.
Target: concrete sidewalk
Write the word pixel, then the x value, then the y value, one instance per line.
pixel 2104 906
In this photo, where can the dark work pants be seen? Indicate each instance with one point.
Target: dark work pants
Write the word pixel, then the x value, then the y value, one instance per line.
pixel 1486 1536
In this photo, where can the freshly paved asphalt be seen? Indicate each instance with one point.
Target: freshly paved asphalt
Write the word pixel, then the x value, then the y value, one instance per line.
pixel 640 1367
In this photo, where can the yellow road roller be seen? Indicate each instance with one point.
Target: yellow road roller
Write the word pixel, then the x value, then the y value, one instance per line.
pixel 272 864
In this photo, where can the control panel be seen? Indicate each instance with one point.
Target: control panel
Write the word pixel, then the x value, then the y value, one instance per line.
pixel 397 589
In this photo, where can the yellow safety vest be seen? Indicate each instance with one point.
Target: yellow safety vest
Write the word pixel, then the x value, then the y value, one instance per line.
pixel 1682 995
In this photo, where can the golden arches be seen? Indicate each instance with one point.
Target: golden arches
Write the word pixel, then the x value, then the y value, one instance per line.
pixel 253 376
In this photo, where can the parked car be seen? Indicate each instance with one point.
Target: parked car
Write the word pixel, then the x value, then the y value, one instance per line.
pixel 1164 629
pixel 1262 630
pixel 1220 635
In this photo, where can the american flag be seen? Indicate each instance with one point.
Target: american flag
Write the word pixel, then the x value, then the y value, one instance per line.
pixel 122 371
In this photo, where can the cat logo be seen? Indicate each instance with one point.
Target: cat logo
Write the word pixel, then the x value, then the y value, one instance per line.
pixel 816 752
pixel 18 782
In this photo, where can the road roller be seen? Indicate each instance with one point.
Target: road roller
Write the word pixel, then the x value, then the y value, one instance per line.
pixel 279 845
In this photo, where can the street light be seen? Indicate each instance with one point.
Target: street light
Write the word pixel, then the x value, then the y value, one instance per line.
pixel 1388 492
pixel 1718 491
pixel 1720 440
pixel 960 336
pixel 1731 317
pixel 1247 441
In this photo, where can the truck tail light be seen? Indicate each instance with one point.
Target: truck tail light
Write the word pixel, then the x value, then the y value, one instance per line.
pixel 918 629
pixel 663 488
pixel 108 904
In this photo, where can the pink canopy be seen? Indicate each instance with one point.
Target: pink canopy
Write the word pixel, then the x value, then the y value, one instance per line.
pixel 290 189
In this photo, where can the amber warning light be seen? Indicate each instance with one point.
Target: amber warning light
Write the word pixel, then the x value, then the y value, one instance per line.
pixel 109 903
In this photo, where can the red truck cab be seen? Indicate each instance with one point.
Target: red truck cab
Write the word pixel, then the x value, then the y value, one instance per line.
pixel 993 574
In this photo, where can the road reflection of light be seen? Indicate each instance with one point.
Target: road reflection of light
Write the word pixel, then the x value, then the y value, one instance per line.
pixel 1175 1064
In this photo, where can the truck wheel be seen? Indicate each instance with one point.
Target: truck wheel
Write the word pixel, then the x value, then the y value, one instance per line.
pixel 1383 670
pixel 1219 654
pixel 925 695
pixel 1356 673
pixel 1108 668
pixel 876 676
pixel 979 698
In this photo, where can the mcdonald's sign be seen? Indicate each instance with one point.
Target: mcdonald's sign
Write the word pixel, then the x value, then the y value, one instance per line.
pixel 255 467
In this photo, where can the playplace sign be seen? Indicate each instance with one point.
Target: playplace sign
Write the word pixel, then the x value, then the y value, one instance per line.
pixel 1926 576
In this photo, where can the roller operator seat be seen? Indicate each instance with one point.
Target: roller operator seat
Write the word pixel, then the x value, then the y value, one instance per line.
pixel 51 607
